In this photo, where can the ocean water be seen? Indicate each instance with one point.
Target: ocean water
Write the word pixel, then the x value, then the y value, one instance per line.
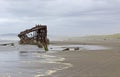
pixel 4 37
pixel 29 64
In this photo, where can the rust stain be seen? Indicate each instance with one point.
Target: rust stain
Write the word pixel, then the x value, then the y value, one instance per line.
pixel 36 35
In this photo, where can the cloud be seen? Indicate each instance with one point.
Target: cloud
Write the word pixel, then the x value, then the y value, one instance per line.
pixel 78 15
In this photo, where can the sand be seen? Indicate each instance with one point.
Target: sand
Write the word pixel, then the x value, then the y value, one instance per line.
pixel 91 63
pixel 88 63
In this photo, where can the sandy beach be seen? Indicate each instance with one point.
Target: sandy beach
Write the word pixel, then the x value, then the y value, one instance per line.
pixel 60 38
pixel 91 63
pixel 80 63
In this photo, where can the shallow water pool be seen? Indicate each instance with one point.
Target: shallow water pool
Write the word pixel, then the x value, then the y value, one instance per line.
pixel 81 47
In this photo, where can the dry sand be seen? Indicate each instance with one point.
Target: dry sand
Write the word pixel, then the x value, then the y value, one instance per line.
pixel 91 63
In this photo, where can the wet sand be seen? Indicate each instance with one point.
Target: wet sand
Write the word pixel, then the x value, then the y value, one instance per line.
pixel 80 63
pixel 28 61
pixel 91 63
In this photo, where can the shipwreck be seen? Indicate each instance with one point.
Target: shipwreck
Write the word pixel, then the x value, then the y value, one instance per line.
pixel 35 36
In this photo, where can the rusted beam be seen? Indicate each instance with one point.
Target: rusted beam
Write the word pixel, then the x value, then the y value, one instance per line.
pixel 36 35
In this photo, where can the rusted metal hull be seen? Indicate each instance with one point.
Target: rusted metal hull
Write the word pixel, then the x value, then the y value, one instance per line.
pixel 36 36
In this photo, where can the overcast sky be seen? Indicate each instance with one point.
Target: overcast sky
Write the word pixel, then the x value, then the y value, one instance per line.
pixel 63 17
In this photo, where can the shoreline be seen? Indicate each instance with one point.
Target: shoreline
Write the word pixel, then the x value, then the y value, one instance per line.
pixel 88 63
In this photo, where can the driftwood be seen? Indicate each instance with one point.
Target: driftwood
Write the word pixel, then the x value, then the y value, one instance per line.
pixel 36 35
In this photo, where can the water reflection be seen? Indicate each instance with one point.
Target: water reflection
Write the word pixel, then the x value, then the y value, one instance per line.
pixel 73 47
pixel 34 63
pixel 29 64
